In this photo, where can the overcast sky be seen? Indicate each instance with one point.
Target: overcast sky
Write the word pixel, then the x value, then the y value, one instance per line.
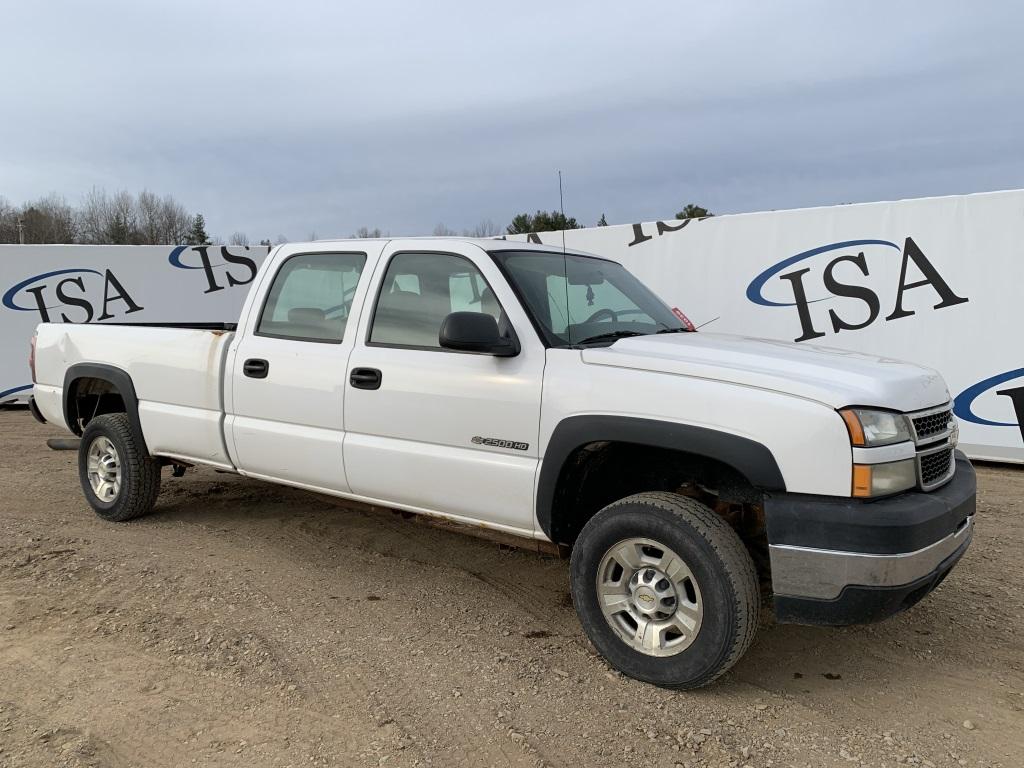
pixel 299 117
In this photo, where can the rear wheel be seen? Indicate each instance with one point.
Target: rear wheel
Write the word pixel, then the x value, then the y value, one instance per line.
pixel 665 589
pixel 119 481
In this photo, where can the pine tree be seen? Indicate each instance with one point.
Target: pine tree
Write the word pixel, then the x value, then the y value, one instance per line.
pixel 602 222
pixel 692 211
pixel 197 235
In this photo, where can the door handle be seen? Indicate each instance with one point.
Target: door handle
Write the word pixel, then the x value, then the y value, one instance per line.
pixel 255 368
pixel 365 378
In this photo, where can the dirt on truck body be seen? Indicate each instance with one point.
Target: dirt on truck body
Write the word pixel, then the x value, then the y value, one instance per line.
pixel 249 624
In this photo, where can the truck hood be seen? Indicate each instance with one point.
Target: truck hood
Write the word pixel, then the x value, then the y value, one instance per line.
pixel 834 377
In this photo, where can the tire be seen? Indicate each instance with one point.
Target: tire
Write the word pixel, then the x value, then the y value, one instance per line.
pixel 710 606
pixel 138 475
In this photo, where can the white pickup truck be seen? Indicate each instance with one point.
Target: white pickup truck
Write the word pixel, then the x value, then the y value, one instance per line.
pixel 552 396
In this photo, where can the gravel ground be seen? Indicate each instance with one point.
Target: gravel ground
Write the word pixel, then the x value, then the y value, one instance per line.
pixel 254 625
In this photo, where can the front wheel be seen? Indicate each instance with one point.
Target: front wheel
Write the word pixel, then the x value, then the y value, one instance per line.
pixel 665 589
pixel 120 482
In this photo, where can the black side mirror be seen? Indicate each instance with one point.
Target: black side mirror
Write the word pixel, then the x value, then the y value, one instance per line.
pixel 475 332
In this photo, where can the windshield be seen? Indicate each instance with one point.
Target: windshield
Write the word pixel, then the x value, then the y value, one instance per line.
pixel 598 303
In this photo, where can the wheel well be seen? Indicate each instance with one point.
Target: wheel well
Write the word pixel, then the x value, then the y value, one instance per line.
pixel 598 473
pixel 89 397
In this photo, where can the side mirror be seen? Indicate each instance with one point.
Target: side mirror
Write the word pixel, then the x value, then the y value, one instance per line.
pixel 475 332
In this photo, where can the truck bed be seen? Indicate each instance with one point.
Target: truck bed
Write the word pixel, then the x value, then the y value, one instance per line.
pixel 177 371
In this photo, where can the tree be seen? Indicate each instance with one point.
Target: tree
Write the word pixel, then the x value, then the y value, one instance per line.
pixel 197 235
pixel 8 222
pixel 486 228
pixel 239 238
pixel 266 243
pixel 602 222
pixel 47 220
pixel 692 211
pixel 541 221
pixel 442 231
pixel 122 222
pixel 363 233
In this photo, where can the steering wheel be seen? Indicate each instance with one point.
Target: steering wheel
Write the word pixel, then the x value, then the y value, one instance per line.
pixel 602 313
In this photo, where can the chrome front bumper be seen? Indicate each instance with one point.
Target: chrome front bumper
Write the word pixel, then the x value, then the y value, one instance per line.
pixel 822 574
pixel 845 561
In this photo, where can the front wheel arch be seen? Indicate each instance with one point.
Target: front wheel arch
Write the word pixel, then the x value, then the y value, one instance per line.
pixel 749 465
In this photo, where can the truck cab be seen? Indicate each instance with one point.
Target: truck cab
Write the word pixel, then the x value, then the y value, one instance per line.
pixel 552 396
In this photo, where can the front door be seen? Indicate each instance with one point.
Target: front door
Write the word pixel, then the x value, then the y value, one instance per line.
pixel 438 430
pixel 288 371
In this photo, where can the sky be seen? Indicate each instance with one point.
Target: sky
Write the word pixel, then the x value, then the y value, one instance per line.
pixel 300 118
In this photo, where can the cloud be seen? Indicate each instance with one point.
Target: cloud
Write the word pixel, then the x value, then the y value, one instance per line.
pixel 318 116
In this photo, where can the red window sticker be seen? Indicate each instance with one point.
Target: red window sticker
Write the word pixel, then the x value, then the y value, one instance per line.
pixel 683 318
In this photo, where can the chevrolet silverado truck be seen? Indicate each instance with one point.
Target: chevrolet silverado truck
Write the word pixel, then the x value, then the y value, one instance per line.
pixel 549 395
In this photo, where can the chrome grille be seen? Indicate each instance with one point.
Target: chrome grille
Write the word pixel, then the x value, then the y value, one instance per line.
pixel 935 438
pixel 931 424
pixel 935 467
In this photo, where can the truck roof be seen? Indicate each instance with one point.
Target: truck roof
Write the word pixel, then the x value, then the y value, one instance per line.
pixel 486 243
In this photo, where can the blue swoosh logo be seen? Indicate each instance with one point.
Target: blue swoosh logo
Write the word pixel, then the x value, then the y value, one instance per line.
pixel 8 300
pixel 757 284
pixel 963 405
pixel 175 258
pixel 8 392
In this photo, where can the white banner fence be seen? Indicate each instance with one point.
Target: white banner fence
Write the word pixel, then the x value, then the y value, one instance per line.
pixel 936 281
pixel 118 283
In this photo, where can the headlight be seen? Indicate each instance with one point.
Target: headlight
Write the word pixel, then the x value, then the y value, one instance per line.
pixel 870 428
pixel 883 479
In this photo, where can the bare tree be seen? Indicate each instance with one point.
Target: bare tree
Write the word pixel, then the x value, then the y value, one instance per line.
pixel 123 220
pixel 49 220
pixel 8 222
pixel 364 233
pixel 175 222
pixel 92 217
pixel 442 231
pixel 486 228
pixel 150 218
pixel 239 238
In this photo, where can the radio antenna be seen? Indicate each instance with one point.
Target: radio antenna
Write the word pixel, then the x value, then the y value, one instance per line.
pixel 561 207
pixel 565 259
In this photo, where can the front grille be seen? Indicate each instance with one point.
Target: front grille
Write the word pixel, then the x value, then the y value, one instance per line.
pixel 931 424
pixel 935 467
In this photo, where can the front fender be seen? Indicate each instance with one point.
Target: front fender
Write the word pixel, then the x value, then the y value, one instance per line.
pixel 749 458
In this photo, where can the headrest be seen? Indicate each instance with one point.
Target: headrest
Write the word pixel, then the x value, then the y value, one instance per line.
pixel 306 316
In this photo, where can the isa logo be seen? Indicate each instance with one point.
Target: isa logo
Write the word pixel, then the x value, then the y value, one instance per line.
pixel 861 271
pixel 78 295
pixel 978 403
pixel 220 266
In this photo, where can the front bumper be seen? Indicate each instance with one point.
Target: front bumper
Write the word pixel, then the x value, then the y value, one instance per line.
pixel 843 561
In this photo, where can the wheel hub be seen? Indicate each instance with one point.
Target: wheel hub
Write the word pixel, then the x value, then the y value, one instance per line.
pixel 649 597
pixel 653 595
pixel 103 467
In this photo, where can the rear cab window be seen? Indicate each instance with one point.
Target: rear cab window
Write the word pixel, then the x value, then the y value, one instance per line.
pixel 311 297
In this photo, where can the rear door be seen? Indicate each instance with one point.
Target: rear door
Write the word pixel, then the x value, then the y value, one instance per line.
pixel 433 429
pixel 287 371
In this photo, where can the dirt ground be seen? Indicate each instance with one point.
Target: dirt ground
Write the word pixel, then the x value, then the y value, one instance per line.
pixel 252 625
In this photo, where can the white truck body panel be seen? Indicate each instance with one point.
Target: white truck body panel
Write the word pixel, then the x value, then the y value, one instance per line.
pixel 177 374
pixel 764 416
pixel 833 377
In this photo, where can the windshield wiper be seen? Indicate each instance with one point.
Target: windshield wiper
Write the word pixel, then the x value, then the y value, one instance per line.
pixel 674 330
pixel 611 336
